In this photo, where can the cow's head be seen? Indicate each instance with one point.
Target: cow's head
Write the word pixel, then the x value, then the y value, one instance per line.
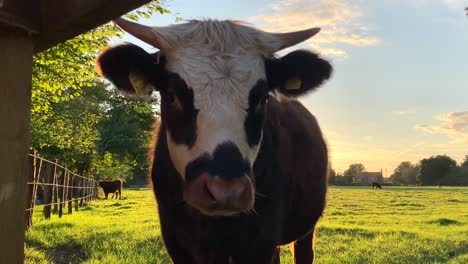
pixel 214 78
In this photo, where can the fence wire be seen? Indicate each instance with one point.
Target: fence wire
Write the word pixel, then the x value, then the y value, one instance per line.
pixel 55 187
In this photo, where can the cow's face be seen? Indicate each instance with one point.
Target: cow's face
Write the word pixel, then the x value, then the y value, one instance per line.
pixel 214 78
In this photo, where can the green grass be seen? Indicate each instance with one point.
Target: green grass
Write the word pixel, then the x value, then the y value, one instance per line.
pixel 360 225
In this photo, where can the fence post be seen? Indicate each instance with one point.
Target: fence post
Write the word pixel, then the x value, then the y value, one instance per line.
pixel 70 193
pixel 36 177
pixel 30 187
pixel 62 192
pixel 55 189
pixel 75 190
pixel 48 188
pixel 82 191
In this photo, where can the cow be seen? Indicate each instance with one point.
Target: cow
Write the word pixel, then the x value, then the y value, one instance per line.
pixel 239 165
pixel 112 186
pixel 376 185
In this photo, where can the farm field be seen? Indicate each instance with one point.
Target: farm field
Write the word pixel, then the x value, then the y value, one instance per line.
pixel 360 225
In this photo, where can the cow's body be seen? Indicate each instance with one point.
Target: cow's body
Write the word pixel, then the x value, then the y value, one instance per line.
pixel 239 166
pixel 290 195
pixel 112 186
pixel 376 185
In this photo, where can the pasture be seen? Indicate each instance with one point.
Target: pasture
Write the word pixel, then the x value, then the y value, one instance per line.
pixel 360 225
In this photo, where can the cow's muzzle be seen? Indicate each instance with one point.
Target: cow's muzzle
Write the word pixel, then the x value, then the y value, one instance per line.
pixel 216 196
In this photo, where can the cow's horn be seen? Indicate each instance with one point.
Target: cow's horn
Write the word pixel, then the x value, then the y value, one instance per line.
pixel 141 32
pixel 292 38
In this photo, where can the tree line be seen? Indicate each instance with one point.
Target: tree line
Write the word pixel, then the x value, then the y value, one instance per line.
pixel 435 170
pixel 78 119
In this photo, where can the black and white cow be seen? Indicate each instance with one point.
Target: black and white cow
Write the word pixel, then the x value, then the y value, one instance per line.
pixel 239 166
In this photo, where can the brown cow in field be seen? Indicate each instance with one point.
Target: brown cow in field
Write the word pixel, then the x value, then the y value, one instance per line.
pixel 112 186
pixel 239 165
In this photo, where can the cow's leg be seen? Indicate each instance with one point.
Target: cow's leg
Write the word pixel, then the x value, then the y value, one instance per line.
pixel 304 249
pixel 106 194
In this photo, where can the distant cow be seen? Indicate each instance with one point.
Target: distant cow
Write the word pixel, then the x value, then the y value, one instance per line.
pixel 240 166
pixel 114 187
pixel 376 185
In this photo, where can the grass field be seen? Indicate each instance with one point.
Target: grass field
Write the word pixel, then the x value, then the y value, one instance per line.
pixel 360 225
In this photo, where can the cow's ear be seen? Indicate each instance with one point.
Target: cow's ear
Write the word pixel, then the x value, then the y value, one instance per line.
pixel 132 70
pixel 297 72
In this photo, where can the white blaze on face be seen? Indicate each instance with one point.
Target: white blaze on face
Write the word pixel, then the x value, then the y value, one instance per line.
pixel 221 62
pixel 221 84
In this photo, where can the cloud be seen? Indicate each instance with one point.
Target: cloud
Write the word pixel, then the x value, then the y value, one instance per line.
pixel 404 112
pixel 339 20
pixel 454 125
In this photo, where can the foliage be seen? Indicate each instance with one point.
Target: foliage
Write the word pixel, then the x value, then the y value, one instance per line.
pixel 456 176
pixel 435 168
pixel 331 176
pixel 70 65
pixel 69 132
pixel 99 133
pixel 70 119
pixel 126 132
pixel 343 180
pixel 360 225
pixel 354 170
pixel 405 174
pixel 465 162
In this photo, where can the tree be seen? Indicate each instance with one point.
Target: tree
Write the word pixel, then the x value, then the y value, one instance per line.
pixel 126 132
pixel 435 168
pixel 70 131
pixel 64 114
pixel 405 174
pixel 465 162
pixel 354 171
pixel 331 176
pixel 70 65
pixel 98 133
pixel 343 180
pixel 456 176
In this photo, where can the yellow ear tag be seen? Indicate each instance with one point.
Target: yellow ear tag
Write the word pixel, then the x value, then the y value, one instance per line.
pixel 138 82
pixel 293 84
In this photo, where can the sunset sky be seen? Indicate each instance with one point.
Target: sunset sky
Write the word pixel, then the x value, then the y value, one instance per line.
pixel 400 88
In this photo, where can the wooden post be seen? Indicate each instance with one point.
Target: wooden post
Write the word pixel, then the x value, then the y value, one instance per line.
pixel 30 188
pixel 55 190
pixel 16 49
pixel 48 189
pixel 82 191
pixel 70 193
pixel 76 191
pixel 37 176
pixel 62 192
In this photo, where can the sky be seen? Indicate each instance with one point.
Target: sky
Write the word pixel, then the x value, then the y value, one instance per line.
pixel 400 86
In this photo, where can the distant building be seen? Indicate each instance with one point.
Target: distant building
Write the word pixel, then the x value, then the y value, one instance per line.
pixel 369 177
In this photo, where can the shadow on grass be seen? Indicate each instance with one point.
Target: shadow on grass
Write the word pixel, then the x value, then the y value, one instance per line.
pixel 99 245
pixel 444 222
pixel 71 252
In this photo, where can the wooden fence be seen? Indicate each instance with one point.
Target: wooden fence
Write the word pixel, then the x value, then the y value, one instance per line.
pixel 56 187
